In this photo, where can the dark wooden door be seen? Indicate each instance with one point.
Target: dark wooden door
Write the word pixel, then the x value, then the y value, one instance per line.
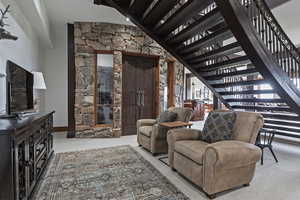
pixel 138 93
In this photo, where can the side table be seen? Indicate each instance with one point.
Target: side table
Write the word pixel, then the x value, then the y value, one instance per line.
pixel 172 125
pixel 176 124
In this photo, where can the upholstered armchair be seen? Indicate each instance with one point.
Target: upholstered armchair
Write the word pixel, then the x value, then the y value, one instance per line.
pixel 153 137
pixel 219 166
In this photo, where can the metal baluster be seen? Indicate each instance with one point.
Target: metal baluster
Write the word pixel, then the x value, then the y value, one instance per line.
pixel 279 52
pixel 289 65
pixel 259 23
pixel 266 35
pixel 274 45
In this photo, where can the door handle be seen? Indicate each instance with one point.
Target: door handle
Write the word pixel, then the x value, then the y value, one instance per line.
pixel 138 98
pixel 143 98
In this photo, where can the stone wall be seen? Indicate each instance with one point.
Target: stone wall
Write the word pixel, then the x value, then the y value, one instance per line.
pixel 117 38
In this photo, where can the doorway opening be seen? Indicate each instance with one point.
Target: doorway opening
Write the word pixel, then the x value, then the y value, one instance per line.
pixel 140 90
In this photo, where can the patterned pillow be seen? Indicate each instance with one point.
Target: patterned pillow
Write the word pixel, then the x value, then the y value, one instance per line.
pixel 218 126
pixel 167 116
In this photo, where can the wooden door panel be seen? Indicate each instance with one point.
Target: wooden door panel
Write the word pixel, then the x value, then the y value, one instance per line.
pixel 138 91
pixel 148 87
pixel 129 107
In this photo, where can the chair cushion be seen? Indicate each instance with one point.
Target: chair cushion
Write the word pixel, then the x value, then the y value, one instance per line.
pixel 146 130
pixel 183 114
pixel 192 149
pixel 218 126
pixel 167 116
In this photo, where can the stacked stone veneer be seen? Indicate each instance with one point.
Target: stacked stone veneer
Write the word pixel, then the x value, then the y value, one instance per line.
pixel 117 38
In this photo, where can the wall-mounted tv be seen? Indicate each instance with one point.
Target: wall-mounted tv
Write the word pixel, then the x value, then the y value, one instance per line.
pixel 19 89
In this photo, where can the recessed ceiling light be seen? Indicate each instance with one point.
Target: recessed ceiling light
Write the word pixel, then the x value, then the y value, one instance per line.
pixel 127 19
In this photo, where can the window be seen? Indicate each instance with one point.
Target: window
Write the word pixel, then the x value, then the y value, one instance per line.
pixel 104 89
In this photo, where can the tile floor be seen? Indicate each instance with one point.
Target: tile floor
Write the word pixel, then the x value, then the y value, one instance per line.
pixel 274 181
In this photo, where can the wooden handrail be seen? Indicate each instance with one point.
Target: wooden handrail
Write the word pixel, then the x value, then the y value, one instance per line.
pixel 275 39
pixel 259 53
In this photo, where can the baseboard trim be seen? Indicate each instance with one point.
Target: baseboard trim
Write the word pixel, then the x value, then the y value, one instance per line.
pixel 60 129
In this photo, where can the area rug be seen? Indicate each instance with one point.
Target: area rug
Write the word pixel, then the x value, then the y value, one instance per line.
pixel 118 173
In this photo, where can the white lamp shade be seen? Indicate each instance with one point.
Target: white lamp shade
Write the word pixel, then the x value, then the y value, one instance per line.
pixel 38 81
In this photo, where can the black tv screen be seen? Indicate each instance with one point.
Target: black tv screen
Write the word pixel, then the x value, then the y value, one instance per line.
pixel 19 89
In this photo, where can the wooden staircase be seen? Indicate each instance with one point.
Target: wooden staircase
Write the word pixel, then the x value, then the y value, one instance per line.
pixel 236 47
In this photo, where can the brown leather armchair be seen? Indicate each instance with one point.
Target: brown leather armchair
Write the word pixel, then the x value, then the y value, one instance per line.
pixel 218 166
pixel 153 137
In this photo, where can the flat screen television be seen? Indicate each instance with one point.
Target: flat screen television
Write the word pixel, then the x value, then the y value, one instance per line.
pixel 19 89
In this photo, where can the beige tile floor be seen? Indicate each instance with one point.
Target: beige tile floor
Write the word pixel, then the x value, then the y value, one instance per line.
pixel 272 181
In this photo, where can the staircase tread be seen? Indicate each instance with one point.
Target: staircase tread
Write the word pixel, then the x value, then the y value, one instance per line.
pixel 234 61
pixel 222 51
pixel 139 7
pixel 159 10
pixel 283 123
pixel 236 73
pixel 274 108
pixel 256 100
pixel 289 129
pixel 247 92
pixel 185 12
pixel 198 26
pixel 238 83
pixel 246 106
pixel 217 36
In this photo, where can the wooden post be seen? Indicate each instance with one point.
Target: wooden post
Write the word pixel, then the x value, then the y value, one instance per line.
pixel 216 103
pixel 71 82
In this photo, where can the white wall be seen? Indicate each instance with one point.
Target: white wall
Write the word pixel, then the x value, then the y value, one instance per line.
pixel 56 77
pixel 288 16
pixel 24 52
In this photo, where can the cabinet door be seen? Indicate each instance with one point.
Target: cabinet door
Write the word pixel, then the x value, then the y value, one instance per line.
pixel 30 163
pixel 50 136
pixel 25 172
pixel 20 170
pixel 41 149
pixel 7 189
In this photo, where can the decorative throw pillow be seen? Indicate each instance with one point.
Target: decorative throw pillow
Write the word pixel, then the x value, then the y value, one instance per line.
pixel 218 126
pixel 167 116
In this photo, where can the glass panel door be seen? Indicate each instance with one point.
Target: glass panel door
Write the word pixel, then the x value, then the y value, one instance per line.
pixel 104 89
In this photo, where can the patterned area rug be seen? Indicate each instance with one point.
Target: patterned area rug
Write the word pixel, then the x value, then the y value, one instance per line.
pixel 118 173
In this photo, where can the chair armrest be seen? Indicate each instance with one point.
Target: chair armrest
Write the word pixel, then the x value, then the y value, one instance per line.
pixel 231 154
pixel 146 122
pixel 159 132
pixel 143 122
pixel 182 134
pixel 228 164
pixel 179 134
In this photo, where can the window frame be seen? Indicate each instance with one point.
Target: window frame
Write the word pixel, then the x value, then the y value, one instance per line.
pixel 96 105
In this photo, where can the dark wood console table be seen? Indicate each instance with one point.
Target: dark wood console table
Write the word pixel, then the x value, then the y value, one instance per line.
pixel 26 146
